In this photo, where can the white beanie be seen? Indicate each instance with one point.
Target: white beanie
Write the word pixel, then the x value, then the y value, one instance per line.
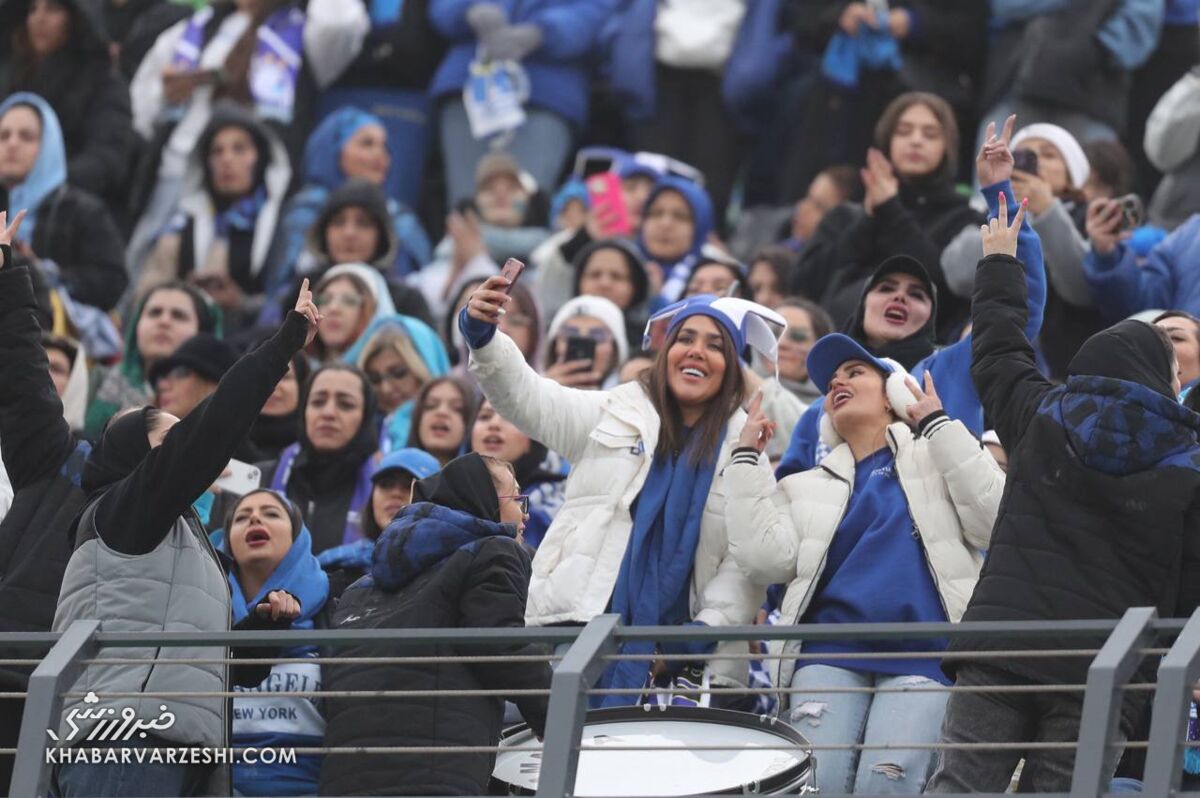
pixel 1078 168
pixel 600 308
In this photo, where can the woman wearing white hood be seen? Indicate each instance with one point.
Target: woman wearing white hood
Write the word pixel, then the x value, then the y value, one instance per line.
pixel 642 530
pixel 586 343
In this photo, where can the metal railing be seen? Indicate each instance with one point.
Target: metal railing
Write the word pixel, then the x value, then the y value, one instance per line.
pixel 1117 649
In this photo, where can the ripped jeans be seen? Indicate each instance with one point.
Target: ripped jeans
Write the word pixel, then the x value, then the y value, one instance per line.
pixel 869 719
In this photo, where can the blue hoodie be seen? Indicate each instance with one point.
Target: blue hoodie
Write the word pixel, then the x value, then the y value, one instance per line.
pixel 262 721
pixel 423 536
pixel 322 175
pixel 676 273
pixel 950 367
pixel 1168 278
pixel 559 72
pixel 431 349
pixel 49 170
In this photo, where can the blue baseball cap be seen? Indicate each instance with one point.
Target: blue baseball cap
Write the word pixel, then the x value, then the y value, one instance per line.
pixel 832 351
pixel 419 463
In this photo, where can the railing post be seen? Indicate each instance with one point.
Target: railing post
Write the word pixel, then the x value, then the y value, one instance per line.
pixel 1168 723
pixel 1112 667
pixel 43 705
pixel 579 669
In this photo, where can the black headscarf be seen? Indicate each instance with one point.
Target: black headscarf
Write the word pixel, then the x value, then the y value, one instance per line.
pixel 272 434
pixel 322 472
pixel 122 446
pixel 633 259
pixel 464 484
pixel 909 351
pixel 1129 350
pixel 227 115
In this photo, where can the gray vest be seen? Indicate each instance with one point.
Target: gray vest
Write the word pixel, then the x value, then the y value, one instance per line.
pixel 178 587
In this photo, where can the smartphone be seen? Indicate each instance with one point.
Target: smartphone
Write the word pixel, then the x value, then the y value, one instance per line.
pixel 595 160
pixel 242 478
pixel 1133 213
pixel 608 205
pixel 512 271
pixel 1025 161
pixel 580 349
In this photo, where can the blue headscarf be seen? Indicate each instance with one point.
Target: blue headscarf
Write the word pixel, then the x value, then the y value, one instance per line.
pixel 49 170
pixel 323 153
pixel 572 190
pixel 676 273
pixel 298 572
pixel 431 349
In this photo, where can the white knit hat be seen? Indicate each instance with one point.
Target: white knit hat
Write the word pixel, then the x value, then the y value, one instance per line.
pixel 1078 168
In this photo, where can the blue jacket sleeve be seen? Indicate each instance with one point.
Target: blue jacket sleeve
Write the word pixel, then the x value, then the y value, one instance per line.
pixel 1121 288
pixel 1029 252
pixel 951 372
pixel 475 332
pixel 801 452
pixel 1131 33
pixel 571 30
pixel 449 18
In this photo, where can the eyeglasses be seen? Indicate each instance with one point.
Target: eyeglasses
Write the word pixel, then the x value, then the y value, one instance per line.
pixel 394 374
pixel 799 336
pixel 597 334
pixel 345 300
pixel 522 500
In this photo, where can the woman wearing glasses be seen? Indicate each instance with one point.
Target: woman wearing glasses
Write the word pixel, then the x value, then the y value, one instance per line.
pixel 351 296
pixel 587 343
pixel 807 323
pixel 452 558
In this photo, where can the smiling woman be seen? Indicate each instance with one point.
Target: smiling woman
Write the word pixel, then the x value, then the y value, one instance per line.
pixel 642 529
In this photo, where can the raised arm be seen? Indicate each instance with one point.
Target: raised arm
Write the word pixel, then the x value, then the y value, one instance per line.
pixel 1120 285
pixel 560 417
pixel 1003 366
pixel 36 438
pixel 137 512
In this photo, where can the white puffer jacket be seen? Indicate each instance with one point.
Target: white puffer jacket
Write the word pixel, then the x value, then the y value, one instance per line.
pixel 783 531
pixel 609 438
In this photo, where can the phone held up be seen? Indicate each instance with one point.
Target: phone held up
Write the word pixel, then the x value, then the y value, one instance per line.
pixel 1025 161
pixel 579 349
pixel 511 271
pixel 242 478
pixel 1133 213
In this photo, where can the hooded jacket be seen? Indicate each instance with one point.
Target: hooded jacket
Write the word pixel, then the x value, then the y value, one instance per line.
pixel 66 225
pixel 87 92
pixel 676 273
pixel 44 463
pixel 429 346
pixel 444 562
pixel 323 175
pixel 558 69
pixel 259 719
pixel 330 488
pixel 193 243
pixel 950 367
pixel 1103 498
pixel 124 384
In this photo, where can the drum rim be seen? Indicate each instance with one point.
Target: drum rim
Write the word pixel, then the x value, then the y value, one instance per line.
pixel 721 717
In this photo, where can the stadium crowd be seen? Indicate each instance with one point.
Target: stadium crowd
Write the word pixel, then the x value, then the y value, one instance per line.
pixel 831 312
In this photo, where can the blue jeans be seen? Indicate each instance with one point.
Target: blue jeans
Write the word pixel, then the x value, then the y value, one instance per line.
pixel 541 147
pixel 132 780
pixel 868 719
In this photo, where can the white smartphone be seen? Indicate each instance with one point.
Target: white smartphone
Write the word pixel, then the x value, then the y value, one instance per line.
pixel 242 478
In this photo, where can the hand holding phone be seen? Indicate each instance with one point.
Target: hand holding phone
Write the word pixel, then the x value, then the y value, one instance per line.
pixel 1133 213
pixel 239 478
pixel 511 271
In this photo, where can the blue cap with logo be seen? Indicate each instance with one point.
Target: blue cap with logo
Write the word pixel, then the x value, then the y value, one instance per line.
pixel 417 462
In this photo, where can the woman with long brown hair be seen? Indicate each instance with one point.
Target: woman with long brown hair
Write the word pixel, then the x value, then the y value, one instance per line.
pixel 642 529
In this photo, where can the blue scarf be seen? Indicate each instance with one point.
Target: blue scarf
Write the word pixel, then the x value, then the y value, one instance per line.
pixel 655 577
pixel 846 56
pixel 242 214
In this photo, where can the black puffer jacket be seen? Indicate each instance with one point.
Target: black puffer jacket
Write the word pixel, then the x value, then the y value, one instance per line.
pixel 1102 507
pixel 87 92
pixel 434 567
pixel 44 463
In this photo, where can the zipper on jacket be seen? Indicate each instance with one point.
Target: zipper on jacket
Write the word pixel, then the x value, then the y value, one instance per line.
pixel 916 533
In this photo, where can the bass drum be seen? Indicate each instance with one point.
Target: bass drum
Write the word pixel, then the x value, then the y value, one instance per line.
pixel 765 755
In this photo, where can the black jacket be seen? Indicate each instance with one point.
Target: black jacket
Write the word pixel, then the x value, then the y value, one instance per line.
pixel 44 463
pixel 1101 511
pixel 87 92
pixel 404 55
pixel 430 579
pixel 849 245
pixel 75 230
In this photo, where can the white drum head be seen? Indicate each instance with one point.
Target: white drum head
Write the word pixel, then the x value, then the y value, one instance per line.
pixel 753 756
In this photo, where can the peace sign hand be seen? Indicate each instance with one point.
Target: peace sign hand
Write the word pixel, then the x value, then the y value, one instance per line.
pixel 999 237
pixel 9 232
pixel 759 429
pixel 306 307
pixel 994 164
